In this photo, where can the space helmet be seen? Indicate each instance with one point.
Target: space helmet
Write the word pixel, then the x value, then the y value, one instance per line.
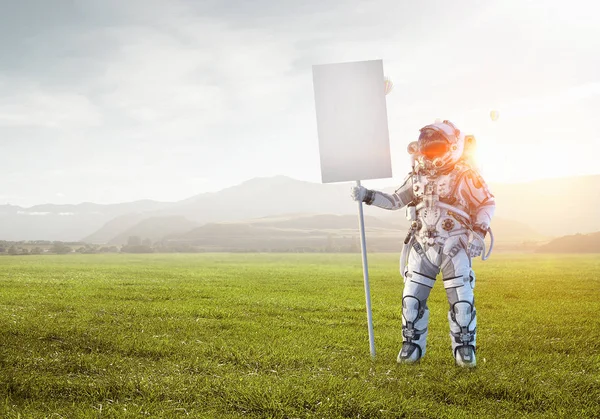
pixel 440 145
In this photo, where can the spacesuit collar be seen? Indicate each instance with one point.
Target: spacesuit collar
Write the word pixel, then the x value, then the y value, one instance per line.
pixel 432 171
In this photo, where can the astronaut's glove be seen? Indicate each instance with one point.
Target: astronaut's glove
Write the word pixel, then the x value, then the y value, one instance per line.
pixel 362 194
pixel 475 247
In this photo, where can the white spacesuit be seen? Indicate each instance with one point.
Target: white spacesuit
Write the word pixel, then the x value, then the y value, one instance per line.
pixel 450 209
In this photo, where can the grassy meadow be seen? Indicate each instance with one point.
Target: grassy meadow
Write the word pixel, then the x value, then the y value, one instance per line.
pixel 285 336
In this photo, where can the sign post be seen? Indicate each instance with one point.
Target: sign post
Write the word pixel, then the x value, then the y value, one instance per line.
pixel 363 249
pixel 353 135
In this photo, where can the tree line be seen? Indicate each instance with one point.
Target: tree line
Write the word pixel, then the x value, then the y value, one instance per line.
pixel 137 244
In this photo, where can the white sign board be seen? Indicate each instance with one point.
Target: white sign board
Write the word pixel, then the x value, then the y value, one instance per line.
pixel 352 121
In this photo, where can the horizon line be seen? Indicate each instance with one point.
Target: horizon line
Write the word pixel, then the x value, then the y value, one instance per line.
pixel 272 177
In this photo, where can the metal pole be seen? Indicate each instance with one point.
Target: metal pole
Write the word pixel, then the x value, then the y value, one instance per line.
pixel 363 247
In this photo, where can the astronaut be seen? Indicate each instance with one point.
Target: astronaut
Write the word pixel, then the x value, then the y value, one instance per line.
pixel 450 208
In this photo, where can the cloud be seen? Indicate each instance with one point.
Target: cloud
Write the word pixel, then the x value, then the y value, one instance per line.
pixel 137 99
pixel 27 105
pixel 563 99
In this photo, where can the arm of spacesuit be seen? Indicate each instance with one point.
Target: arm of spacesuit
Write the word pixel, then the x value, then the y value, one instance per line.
pixel 482 203
pixel 400 198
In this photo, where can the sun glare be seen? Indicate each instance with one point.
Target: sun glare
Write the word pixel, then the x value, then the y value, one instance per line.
pixel 520 163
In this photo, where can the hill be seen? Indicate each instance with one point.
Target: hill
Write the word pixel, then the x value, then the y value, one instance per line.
pixel 294 233
pixel 537 205
pixel 327 222
pixel 326 232
pixel 576 243
pixel 269 196
pixel 550 207
pixel 290 231
pixel 114 228
pixel 155 229
pixel 66 222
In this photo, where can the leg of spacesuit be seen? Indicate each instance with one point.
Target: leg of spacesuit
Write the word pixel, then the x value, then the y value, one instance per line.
pixel 459 281
pixel 419 277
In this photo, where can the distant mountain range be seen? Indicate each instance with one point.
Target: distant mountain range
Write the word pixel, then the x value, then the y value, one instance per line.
pixel 576 243
pixel 527 211
pixel 298 231
pixel 65 222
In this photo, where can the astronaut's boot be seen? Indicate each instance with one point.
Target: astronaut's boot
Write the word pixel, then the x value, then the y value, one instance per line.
pixel 415 317
pixel 463 329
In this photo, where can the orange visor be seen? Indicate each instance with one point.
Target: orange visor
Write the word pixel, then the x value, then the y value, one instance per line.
pixel 432 144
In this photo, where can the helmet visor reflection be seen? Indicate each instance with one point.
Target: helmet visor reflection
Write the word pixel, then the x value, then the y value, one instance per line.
pixel 433 144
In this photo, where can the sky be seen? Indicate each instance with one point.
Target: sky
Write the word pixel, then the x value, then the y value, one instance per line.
pixel 117 101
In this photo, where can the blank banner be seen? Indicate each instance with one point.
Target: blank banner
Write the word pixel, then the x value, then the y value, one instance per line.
pixel 352 121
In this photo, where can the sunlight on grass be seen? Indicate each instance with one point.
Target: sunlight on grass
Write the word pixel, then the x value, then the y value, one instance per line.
pixel 272 335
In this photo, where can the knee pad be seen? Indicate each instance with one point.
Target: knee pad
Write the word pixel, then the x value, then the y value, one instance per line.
pixel 463 330
pixel 462 314
pixel 411 309
pixel 415 318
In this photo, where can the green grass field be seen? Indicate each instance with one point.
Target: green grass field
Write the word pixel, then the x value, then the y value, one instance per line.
pixel 268 335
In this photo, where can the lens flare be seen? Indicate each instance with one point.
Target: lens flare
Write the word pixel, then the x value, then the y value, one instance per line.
pixel 494 115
